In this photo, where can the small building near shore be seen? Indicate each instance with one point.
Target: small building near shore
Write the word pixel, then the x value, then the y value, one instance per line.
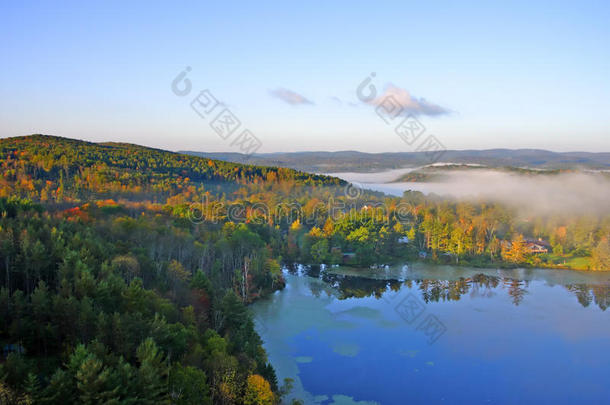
pixel 537 245
pixel 536 248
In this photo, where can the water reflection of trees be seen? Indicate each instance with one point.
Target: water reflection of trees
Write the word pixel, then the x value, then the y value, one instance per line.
pixel 516 289
pixel 599 294
pixel 357 287
pixel 480 285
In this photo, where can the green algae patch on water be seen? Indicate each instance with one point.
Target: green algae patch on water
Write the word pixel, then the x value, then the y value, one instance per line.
pixel 346 349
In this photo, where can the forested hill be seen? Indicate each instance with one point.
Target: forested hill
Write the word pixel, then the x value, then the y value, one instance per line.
pixel 55 167
pixel 111 292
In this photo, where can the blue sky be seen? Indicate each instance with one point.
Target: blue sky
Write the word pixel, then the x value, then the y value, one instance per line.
pixel 519 75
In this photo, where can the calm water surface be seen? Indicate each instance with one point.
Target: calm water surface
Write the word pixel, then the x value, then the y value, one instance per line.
pixel 440 334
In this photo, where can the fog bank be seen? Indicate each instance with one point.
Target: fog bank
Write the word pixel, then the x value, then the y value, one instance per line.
pixel 582 193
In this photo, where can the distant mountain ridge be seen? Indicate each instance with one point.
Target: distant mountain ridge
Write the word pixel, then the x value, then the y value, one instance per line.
pixel 332 162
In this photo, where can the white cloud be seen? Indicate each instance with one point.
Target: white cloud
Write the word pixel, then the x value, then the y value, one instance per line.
pixel 289 96
pixel 410 104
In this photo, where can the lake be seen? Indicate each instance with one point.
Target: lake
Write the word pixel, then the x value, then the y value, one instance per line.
pixel 382 181
pixel 469 184
pixel 440 334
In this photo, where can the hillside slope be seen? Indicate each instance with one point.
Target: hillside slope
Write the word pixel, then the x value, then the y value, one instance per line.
pixel 49 167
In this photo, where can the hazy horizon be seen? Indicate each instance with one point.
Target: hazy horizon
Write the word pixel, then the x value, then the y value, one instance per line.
pixel 228 150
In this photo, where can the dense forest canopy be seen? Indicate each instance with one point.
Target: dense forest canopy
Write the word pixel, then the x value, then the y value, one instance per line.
pixel 52 168
pixel 110 302
pixel 126 271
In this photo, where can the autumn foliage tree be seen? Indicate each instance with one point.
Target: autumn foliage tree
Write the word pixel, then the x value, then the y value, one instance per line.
pixel 258 391
pixel 601 255
pixel 517 252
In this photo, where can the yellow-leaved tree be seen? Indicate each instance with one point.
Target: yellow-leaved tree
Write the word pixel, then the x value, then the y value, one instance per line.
pixel 258 391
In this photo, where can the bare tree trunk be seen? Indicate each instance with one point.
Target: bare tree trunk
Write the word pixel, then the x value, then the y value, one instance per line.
pixel 245 281
pixel 8 273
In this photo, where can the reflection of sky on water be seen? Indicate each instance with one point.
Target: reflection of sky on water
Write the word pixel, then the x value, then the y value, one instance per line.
pixel 548 348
